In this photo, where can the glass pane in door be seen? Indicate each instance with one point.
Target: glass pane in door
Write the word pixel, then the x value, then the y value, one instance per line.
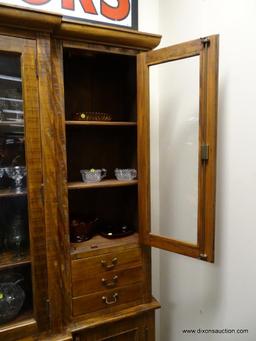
pixel 15 273
pixel 174 143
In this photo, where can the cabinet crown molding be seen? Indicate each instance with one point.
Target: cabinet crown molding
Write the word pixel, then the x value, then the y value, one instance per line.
pixel 60 26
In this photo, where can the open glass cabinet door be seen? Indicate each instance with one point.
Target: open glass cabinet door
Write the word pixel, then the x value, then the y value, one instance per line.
pixel 177 147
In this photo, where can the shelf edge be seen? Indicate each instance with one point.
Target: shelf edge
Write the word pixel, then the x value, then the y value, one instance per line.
pixel 101 184
pixel 100 123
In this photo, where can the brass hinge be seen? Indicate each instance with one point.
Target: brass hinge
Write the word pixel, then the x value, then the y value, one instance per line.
pixel 203 256
pixel 204 152
pixel 47 302
pixel 146 333
pixel 205 41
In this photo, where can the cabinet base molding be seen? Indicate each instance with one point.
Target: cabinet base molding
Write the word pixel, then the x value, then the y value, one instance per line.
pixel 60 337
pixel 134 324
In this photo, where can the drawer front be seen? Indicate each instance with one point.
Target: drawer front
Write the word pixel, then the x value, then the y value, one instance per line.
pixel 106 299
pixel 108 280
pixel 104 263
pixel 129 335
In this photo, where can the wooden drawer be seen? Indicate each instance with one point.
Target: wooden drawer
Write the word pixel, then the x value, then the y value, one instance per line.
pixel 127 335
pixel 108 280
pixel 105 263
pixel 106 299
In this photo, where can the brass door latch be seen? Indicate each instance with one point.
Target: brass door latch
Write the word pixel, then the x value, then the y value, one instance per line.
pixel 204 152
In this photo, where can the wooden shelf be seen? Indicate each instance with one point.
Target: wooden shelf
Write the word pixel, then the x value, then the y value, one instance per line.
pixel 7 260
pixel 12 123
pixel 101 184
pixel 93 245
pixel 8 99
pixel 10 192
pixel 15 328
pixel 10 78
pixel 101 123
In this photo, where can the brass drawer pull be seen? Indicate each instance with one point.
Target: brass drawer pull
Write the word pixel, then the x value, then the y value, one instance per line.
pixel 110 283
pixel 109 266
pixel 108 300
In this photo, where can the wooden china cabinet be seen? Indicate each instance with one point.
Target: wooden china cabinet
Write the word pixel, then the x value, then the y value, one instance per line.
pixel 52 68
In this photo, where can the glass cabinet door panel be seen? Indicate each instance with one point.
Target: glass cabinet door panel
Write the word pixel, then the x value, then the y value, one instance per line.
pixel 175 159
pixel 14 235
pixel 11 104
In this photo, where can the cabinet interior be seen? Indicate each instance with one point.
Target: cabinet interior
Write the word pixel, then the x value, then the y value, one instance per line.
pixel 96 82
pixel 100 82
pixel 110 205
pixel 100 147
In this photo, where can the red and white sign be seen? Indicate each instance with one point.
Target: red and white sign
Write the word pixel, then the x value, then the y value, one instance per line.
pixel 114 12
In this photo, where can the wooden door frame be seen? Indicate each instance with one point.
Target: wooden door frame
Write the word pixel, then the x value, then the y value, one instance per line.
pixel 207 50
pixel 26 48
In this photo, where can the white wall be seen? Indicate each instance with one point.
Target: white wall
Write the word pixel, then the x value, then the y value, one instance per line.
pixel 194 294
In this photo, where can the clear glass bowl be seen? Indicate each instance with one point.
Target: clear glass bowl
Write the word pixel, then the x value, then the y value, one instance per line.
pixel 17 173
pixel 93 175
pixel 2 170
pixel 125 174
